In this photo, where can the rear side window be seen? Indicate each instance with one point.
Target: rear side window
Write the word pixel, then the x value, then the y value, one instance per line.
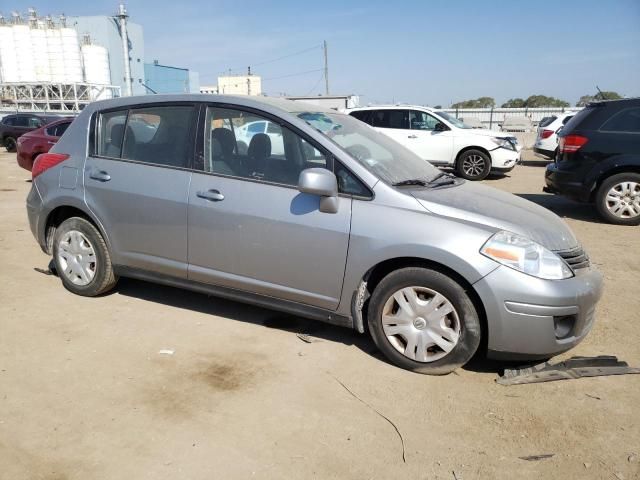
pixel 547 121
pixel 58 130
pixel 627 121
pixel 111 133
pixel 390 119
pixel 21 122
pixel 9 121
pixel 158 135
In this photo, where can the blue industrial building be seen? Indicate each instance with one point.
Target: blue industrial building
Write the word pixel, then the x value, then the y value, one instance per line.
pixel 167 79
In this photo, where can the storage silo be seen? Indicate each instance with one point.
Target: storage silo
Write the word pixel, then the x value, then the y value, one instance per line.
pixel 24 53
pixel 56 56
pixel 8 59
pixel 96 68
pixel 40 52
pixel 71 53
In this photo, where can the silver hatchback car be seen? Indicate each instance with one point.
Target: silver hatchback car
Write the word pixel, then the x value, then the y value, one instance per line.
pixel 311 212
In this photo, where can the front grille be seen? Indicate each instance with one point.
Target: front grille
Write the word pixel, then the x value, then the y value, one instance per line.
pixel 576 258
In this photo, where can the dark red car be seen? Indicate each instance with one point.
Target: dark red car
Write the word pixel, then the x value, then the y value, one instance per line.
pixel 38 141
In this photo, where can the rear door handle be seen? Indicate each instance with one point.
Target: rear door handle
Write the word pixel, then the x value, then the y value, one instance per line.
pixel 212 195
pixel 100 175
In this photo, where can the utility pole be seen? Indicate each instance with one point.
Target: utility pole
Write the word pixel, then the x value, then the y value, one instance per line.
pixel 122 20
pixel 326 69
pixel 249 81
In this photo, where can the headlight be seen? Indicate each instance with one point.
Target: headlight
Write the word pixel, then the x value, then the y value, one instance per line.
pixel 503 142
pixel 527 256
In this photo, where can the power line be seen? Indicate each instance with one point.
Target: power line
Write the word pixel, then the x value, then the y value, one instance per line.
pixel 300 52
pixel 315 86
pixel 293 74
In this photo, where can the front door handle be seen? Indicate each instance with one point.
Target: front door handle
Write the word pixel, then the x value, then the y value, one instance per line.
pixel 412 136
pixel 100 175
pixel 212 195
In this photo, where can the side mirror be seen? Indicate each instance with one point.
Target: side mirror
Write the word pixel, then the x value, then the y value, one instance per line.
pixel 440 127
pixel 321 182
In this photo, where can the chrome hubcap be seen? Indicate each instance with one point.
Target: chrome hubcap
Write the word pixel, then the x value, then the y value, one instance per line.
pixel 76 258
pixel 421 323
pixel 623 200
pixel 473 165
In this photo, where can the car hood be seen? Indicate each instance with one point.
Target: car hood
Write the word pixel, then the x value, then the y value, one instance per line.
pixel 487 206
pixel 487 133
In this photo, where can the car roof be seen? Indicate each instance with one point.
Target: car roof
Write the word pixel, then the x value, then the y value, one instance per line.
pixel 391 107
pixel 260 102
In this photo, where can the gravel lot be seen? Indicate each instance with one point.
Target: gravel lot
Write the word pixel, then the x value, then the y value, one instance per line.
pixel 84 393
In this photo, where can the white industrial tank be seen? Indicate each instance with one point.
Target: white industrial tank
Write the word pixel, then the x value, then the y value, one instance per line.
pixel 56 56
pixel 96 69
pixel 40 53
pixel 8 59
pixel 24 53
pixel 71 51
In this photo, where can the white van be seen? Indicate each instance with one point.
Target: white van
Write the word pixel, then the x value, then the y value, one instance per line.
pixel 444 140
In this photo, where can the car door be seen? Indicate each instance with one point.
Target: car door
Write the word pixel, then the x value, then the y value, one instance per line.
pixel 249 226
pixel 393 123
pixel 433 145
pixel 137 184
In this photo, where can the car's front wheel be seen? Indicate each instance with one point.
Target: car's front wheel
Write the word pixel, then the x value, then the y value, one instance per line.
pixel 618 199
pixel 82 258
pixel 473 165
pixel 424 321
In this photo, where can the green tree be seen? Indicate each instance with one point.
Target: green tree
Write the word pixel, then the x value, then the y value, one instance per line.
pixel 514 103
pixel 535 101
pixel 585 99
pixel 482 102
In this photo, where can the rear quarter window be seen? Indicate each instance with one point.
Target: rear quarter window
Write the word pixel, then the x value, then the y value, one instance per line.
pixel 625 121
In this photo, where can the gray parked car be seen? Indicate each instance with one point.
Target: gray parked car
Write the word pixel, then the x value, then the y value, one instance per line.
pixel 344 226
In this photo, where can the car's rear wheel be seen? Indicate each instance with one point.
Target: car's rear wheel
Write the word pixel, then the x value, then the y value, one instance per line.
pixel 618 199
pixel 82 259
pixel 424 321
pixel 10 144
pixel 473 165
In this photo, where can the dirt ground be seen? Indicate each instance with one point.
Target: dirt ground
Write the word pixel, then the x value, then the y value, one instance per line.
pixel 85 394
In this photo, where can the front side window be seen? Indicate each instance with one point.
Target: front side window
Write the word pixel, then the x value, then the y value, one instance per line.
pixel 35 122
pixel 277 156
pixel 422 121
pixel 627 121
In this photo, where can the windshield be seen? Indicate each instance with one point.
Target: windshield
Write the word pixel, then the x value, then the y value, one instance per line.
pixel 379 154
pixel 452 120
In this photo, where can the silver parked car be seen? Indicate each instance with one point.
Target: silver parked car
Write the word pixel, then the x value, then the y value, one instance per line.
pixel 341 225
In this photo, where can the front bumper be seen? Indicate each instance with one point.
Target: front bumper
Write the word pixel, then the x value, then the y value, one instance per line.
pixel 503 159
pixel 528 317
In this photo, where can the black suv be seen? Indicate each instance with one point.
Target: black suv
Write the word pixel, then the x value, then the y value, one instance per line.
pixel 15 125
pixel 598 160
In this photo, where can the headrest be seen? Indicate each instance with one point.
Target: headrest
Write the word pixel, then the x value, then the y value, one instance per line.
pixel 260 146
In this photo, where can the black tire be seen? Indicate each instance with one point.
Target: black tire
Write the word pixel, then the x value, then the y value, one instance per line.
pixel 601 198
pixel 470 329
pixel 473 172
pixel 104 278
pixel 10 144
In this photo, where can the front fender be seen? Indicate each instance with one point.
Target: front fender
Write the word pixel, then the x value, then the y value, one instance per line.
pixel 380 233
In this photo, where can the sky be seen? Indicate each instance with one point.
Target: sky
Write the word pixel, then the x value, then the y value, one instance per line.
pixel 423 52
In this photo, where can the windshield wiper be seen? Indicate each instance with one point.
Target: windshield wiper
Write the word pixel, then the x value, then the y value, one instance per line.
pixel 411 181
pixel 439 180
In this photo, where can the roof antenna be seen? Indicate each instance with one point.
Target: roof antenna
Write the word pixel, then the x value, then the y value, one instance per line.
pixel 600 92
